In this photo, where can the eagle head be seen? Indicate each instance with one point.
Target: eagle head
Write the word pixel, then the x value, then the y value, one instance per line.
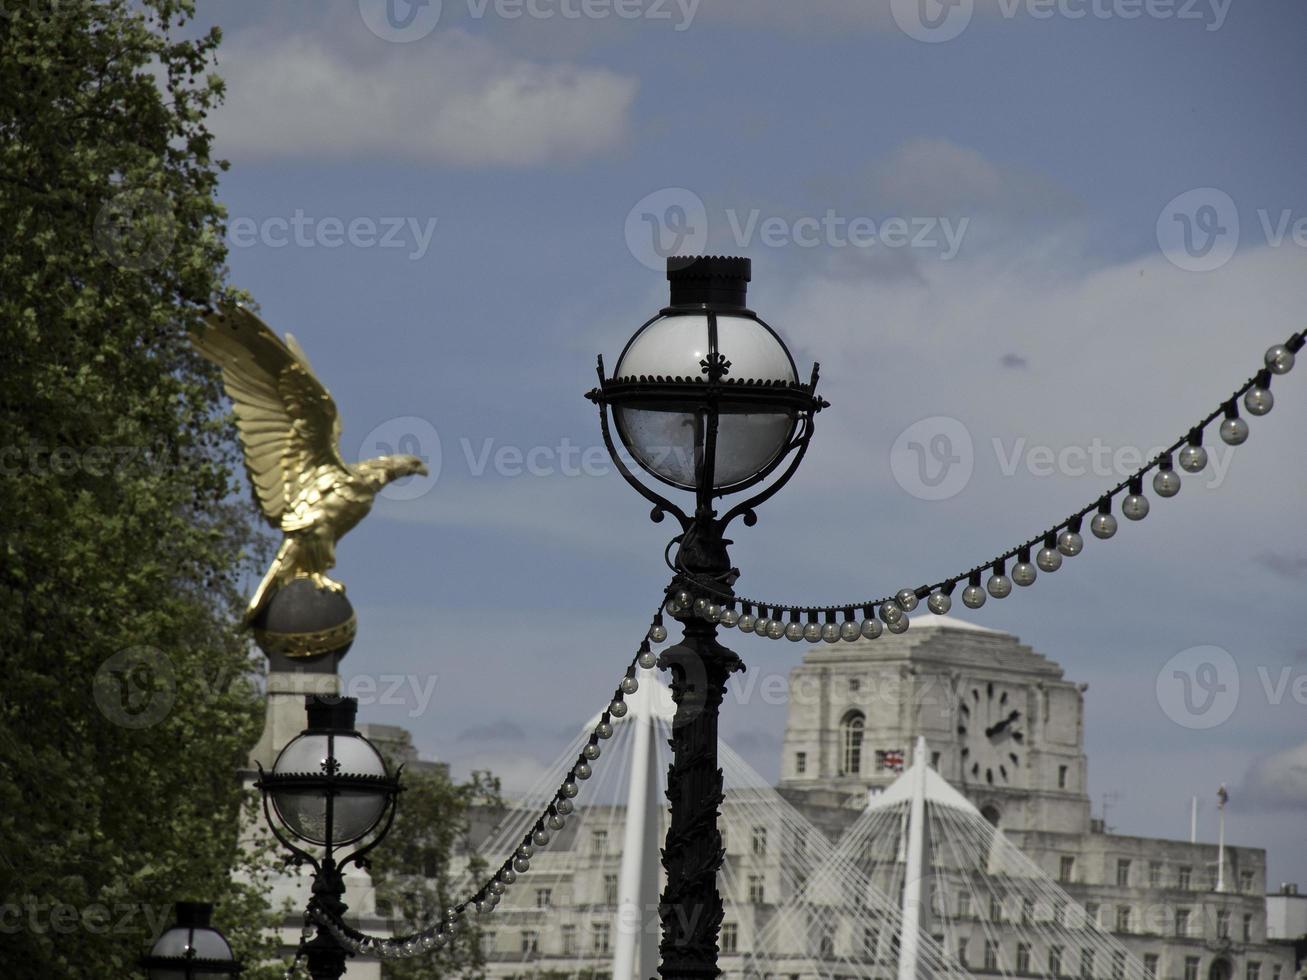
pixel 386 469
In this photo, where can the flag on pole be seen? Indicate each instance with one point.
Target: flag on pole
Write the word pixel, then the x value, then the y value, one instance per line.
pixel 1222 797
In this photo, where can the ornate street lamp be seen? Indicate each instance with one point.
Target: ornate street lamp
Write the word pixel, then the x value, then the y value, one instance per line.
pixel 328 789
pixel 706 398
pixel 191 949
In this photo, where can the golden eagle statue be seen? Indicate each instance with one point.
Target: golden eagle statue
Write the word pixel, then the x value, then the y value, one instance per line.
pixel 290 432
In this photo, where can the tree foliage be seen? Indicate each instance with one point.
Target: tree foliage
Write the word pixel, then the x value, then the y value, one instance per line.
pixel 126 705
pixel 413 867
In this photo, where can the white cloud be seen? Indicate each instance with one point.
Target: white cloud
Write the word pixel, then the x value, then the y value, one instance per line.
pixel 452 99
pixel 1278 780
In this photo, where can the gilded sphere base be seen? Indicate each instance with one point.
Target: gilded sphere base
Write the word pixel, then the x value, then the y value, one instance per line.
pixel 304 627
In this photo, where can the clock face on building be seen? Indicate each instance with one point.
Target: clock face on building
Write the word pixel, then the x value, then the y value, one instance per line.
pixel 991 730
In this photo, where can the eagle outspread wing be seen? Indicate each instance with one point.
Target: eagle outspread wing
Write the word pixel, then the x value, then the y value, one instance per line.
pixel 290 432
pixel 288 424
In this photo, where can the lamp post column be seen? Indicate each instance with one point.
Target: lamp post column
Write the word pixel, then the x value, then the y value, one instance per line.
pixel 691 906
pixel 323 955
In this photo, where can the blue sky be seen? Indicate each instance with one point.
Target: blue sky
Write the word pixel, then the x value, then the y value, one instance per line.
pixel 472 192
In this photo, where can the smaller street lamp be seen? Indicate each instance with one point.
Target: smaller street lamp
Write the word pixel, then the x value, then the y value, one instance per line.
pixel 328 789
pixel 191 949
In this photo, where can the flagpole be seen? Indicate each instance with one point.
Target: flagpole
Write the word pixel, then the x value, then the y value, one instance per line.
pixel 1193 820
pixel 1221 797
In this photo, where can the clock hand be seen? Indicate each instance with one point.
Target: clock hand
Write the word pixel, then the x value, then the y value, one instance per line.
pixel 993 730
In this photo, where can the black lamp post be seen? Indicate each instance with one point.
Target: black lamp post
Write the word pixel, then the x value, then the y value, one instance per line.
pixel 191 949
pixel 329 788
pixel 706 399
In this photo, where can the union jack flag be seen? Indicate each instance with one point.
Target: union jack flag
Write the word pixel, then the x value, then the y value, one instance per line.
pixel 1222 797
pixel 890 760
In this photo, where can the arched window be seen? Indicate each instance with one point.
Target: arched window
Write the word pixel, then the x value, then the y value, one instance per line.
pixel 851 730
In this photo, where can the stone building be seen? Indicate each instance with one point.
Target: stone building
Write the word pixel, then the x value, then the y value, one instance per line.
pixel 1006 729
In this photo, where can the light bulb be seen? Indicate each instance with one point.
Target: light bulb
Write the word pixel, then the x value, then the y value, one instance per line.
pixel 1279 359
pixel 1023 573
pixel 1103 525
pixel 898 626
pixel 973 597
pixel 870 628
pixel 1048 559
pixel 775 629
pixel 629 685
pixel 812 632
pixel 729 617
pixel 745 623
pixel 999 586
pixel 1234 431
pixel 1258 401
pixel 1070 543
pixel 1166 483
pixel 794 631
pixel 890 612
pixel 849 631
pixel 1135 506
pixel 1193 459
pixel 939 603
pixel 658 632
pixel 647 660
pixel 590 751
pixel 907 599
pixel 617 708
pixel 830 632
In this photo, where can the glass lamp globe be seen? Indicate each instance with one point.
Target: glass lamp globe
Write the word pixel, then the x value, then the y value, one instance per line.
pixel 329 785
pixel 191 949
pixel 706 335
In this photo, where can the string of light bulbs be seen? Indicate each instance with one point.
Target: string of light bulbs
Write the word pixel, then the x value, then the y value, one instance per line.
pixel 552 819
pixel 711 600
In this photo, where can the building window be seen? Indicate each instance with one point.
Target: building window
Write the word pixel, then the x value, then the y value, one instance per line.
pixel 1086 963
pixel 1023 959
pixel 1223 924
pixel 488 943
pixel 1027 911
pixel 599 841
pixel 544 897
pixel 827 946
pixel 1182 922
pixel 1059 913
pixel 599 931
pixel 757 894
pixel 1247 927
pixel 1191 968
pixel 1254 971
pixel 991 957
pixel 610 889
pixel 1154 874
pixel 569 940
pixel 1061 777
pixel 1184 877
pixel 1118 964
pixel 995 908
pixel 800 763
pixel 759 841
pixel 1246 881
pixel 1066 869
pixel 1123 918
pixel 530 942
pixel 1091 912
pixel 964 905
pixel 1150 966
pixel 1123 873
pixel 1275 972
pixel 962 952
pixel 852 731
pixel 730 937
pixel 1055 961
pixel 854 685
